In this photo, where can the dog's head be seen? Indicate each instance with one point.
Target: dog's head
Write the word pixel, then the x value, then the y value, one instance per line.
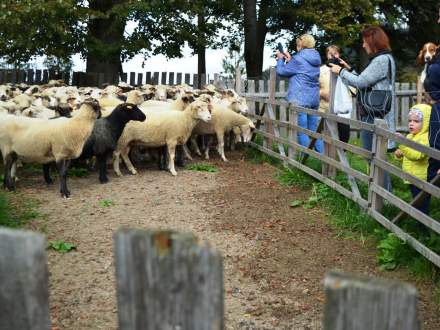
pixel 426 53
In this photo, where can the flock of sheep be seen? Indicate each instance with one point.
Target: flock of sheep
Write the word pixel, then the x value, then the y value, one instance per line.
pixel 54 123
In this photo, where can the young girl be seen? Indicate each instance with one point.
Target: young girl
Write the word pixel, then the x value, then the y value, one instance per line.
pixel 414 162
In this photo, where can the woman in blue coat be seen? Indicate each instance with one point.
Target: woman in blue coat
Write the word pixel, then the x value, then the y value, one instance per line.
pixel 302 69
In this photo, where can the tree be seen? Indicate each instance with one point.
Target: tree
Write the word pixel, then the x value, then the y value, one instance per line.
pixel 232 61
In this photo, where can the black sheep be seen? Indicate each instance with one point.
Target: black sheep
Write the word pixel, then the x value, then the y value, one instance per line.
pixel 104 137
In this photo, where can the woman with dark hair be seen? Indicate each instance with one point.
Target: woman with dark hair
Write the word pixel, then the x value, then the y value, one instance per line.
pixel 380 74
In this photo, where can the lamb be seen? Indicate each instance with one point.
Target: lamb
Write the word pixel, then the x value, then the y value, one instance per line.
pixel 168 128
pixel 43 141
pixel 223 120
pixel 105 135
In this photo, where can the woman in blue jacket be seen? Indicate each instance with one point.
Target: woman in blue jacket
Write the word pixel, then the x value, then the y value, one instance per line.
pixel 302 69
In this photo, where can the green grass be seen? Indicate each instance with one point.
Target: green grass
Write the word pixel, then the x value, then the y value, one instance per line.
pixel 352 221
pixel 202 168
pixel 106 203
pixel 16 210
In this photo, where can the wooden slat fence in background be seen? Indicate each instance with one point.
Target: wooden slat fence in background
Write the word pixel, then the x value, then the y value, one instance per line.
pixel 274 127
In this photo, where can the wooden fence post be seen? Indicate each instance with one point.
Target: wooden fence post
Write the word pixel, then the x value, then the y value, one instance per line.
pixel 380 146
pixel 24 295
pixel 364 303
pixel 272 87
pixel 165 280
pixel 329 149
pixel 419 89
pixel 237 80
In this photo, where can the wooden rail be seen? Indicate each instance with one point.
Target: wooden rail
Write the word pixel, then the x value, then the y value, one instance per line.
pixel 279 124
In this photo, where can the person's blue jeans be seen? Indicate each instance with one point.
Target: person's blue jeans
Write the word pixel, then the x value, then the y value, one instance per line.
pixel 367 143
pixel 311 123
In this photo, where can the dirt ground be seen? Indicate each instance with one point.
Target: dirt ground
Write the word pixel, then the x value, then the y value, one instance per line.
pixel 275 257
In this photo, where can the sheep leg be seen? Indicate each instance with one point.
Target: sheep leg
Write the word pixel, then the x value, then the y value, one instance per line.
pixel 102 166
pixel 171 155
pixel 46 173
pixel 221 145
pixel 116 156
pixel 187 152
pixel 162 158
pixel 126 159
pixel 208 142
pixel 63 166
pixel 8 181
pixel 179 155
pixel 195 146
pixel 231 141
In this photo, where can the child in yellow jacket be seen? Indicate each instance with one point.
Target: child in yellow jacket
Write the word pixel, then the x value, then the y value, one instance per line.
pixel 414 162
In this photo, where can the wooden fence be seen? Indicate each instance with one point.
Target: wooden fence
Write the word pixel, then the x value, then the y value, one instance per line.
pixel 277 123
pixel 98 79
pixel 166 280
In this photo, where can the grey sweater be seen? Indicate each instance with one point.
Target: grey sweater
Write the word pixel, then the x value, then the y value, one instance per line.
pixel 375 76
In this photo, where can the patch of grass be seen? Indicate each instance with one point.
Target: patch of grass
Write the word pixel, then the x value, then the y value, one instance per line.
pixel 61 246
pixel 106 203
pixel 17 210
pixel 202 168
pixel 77 172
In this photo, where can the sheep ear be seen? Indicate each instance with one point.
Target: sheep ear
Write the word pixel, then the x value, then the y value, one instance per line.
pixel 185 99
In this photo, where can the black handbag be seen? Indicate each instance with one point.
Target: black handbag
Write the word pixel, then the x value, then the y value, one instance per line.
pixel 375 102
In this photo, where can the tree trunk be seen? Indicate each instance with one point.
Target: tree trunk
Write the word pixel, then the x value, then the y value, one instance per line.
pixel 255 31
pixel 201 51
pixel 105 39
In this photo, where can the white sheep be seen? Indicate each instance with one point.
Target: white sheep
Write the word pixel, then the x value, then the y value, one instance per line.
pixel 223 120
pixel 42 141
pixel 168 128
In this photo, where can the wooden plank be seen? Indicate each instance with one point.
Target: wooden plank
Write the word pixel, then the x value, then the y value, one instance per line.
pixel 187 79
pixel 148 79
pixel 421 184
pixel 196 81
pixel 431 152
pixel 405 105
pixel 30 76
pixel 203 80
pixel 179 78
pixel 2 76
pixel 354 124
pixel 132 78
pixel 24 294
pixel 251 104
pixel 420 90
pixel 346 146
pixel 101 79
pixel 312 142
pixel 407 208
pixel 380 146
pixel 333 130
pixel 171 78
pixel 140 78
pixel 163 79
pixel 283 110
pixel 419 247
pixel 276 131
pixel 418 200
pixel 329 149
pixel 166 280
pixel 155 78
pixel 124 77
pixel 332 184
pixel 358 175
pixel 21 76
pixel 270 126
pixel 293 133
pixel 356 302
pixel 45 76
pixel 238 80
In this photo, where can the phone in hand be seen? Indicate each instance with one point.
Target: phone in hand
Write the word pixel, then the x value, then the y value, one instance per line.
pixel 280 48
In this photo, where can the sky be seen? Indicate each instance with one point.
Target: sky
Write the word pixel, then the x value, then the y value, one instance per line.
pixel 187 64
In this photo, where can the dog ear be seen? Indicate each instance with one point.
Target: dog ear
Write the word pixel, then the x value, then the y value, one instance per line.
pixel 420 60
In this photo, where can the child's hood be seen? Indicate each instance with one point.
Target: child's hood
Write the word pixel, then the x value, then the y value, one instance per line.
pixel 426 110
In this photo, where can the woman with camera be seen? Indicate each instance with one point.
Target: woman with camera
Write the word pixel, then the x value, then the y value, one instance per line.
pixel 302 69
pixel 375 84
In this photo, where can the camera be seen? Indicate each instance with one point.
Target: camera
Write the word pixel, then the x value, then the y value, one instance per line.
pixel 280 48
pixel 336 61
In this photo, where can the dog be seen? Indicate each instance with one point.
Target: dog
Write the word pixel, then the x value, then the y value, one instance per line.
pixel 425 56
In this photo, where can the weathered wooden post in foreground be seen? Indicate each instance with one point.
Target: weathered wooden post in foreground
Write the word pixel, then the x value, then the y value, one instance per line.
pixel 165 280
pixel 363 303
pixel 24 295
